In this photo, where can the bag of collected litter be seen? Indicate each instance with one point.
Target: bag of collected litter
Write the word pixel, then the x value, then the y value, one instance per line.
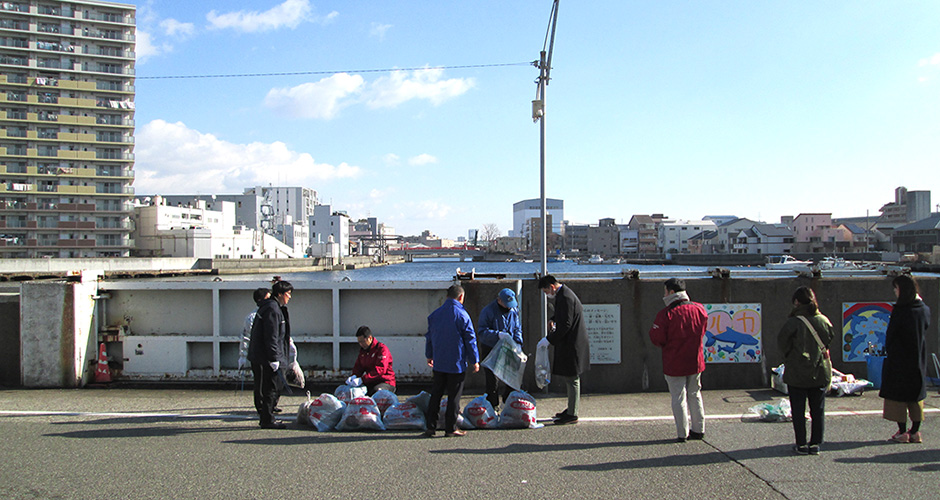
pixel 461 422
pixel 347 393
pixel 384 399
pixel 480 414
pixel 507 362
pixel 422 399
pixel 404 416
pixel 543 368
pixel 846 384
pixel 323 412
pixel 295 375
pixel 361 414
pixel 519 412
pixel 767 412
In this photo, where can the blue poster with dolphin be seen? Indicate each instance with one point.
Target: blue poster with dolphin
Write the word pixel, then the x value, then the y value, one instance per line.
pixel 733 334
pixel 863 323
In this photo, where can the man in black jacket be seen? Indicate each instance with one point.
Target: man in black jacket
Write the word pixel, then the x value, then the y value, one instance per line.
pixel 268 352
pixel 568 333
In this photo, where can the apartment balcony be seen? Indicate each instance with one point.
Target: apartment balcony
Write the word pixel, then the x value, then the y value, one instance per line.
pixel 109 18
pixel 122 190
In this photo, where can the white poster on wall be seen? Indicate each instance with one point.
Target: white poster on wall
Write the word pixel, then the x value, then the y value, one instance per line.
pixel 603 329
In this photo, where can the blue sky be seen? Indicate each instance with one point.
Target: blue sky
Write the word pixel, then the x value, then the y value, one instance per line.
pixel 754 109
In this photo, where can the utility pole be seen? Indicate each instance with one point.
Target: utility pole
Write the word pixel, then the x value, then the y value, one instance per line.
pixel 538 114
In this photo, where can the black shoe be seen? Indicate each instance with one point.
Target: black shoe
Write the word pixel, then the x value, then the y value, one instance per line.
pixel 696 436
pixel 428 433
pixel 814 449
pixel 274 424
pixel 277 410
pixel 561 414
pixel 801 450
pixel 680 440
pixel 566 419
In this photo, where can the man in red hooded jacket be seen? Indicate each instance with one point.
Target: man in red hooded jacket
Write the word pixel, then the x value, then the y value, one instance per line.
pixel 679 330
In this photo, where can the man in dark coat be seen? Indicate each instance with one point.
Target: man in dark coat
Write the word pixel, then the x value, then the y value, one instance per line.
pixel 268 352
pixel 568 333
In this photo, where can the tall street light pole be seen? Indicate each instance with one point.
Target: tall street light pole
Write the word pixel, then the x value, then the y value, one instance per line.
pixel 538 114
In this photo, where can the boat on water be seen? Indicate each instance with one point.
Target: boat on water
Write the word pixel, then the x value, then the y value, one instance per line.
pixel 829 263
pixel 787 263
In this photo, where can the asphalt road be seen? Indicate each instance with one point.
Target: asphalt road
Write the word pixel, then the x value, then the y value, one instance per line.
pixel 117 443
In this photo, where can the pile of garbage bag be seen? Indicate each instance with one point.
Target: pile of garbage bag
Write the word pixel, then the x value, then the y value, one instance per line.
pixel 347 410
pixel 842 384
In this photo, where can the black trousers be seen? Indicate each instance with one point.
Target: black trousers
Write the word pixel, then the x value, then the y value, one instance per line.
pixel 452 384
pixel 266 393
pixel 817 408
pixel 492 383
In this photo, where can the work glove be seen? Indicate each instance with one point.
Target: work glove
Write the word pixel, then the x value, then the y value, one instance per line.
pixel 275 365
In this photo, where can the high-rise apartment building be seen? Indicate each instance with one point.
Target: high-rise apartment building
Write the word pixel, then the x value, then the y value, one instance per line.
pixel 66 128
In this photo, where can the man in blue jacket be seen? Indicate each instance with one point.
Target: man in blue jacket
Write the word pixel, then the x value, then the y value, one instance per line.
pixel 451 347
pixel 500 319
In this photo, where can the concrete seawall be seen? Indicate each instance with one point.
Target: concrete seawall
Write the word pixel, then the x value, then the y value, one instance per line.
pixel 189 331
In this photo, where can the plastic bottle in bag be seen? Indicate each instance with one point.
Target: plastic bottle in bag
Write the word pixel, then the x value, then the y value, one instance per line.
pixel 543 368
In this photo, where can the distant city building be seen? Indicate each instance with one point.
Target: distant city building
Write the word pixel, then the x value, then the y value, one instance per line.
pixel 200 230
pixel 629 240
pixel 908 206
pixel 674 235
pixel 328 226
pixel 604 239
pixel 728 234
pixel 525 211
pixel 66 128
pixel 921 236
pixel 647 227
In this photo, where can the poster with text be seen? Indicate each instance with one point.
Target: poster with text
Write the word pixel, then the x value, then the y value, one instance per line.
pixel 863 323
pixel 603 329
pixel 733 334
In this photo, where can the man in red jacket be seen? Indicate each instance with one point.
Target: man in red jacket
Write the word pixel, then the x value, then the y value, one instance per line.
pixel 679 330
pixel 374 364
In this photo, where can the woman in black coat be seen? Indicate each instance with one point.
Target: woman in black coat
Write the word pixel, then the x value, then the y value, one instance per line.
pixel 903 378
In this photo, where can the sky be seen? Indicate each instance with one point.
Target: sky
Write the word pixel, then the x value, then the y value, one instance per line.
pixel 419 113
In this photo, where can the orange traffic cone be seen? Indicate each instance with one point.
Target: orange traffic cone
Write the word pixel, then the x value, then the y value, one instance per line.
pixel 102 373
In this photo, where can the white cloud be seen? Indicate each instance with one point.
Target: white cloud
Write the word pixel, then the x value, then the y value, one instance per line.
pixel 422 159
pixel 172 27
pixel 325 98
pixel 425 210
pixel 391 159
pixel 933 60
pixel 401 86
pixel 322 99
pixel 379 30
pixel 146 48
pixel 172 158
pixel 289 14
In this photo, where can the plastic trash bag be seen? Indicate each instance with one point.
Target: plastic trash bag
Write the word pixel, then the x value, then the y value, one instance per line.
pixel 543 368
pixel 422 399
pixel 404 416
pixel 767 412
pixel 353 381
pixel 323 412
pixel 480 414
pixel 519 412
pixel 461 422
pixel 295 375
pixel 361 414
pixel 507 362
pixel 346 393
pixel 384 399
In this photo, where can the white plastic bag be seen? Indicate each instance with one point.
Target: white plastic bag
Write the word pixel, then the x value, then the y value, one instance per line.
pixel 405 416
pixel 347 393
pixel 507 362
pixel 323 412
pixel 543 368
pixel 480 414
pixel 461 422
pixel 361 414
pixel 780 412
pixel 519 412
pixel 384 399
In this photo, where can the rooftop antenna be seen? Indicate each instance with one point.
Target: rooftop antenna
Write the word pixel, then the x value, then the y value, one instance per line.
pixel 538 115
